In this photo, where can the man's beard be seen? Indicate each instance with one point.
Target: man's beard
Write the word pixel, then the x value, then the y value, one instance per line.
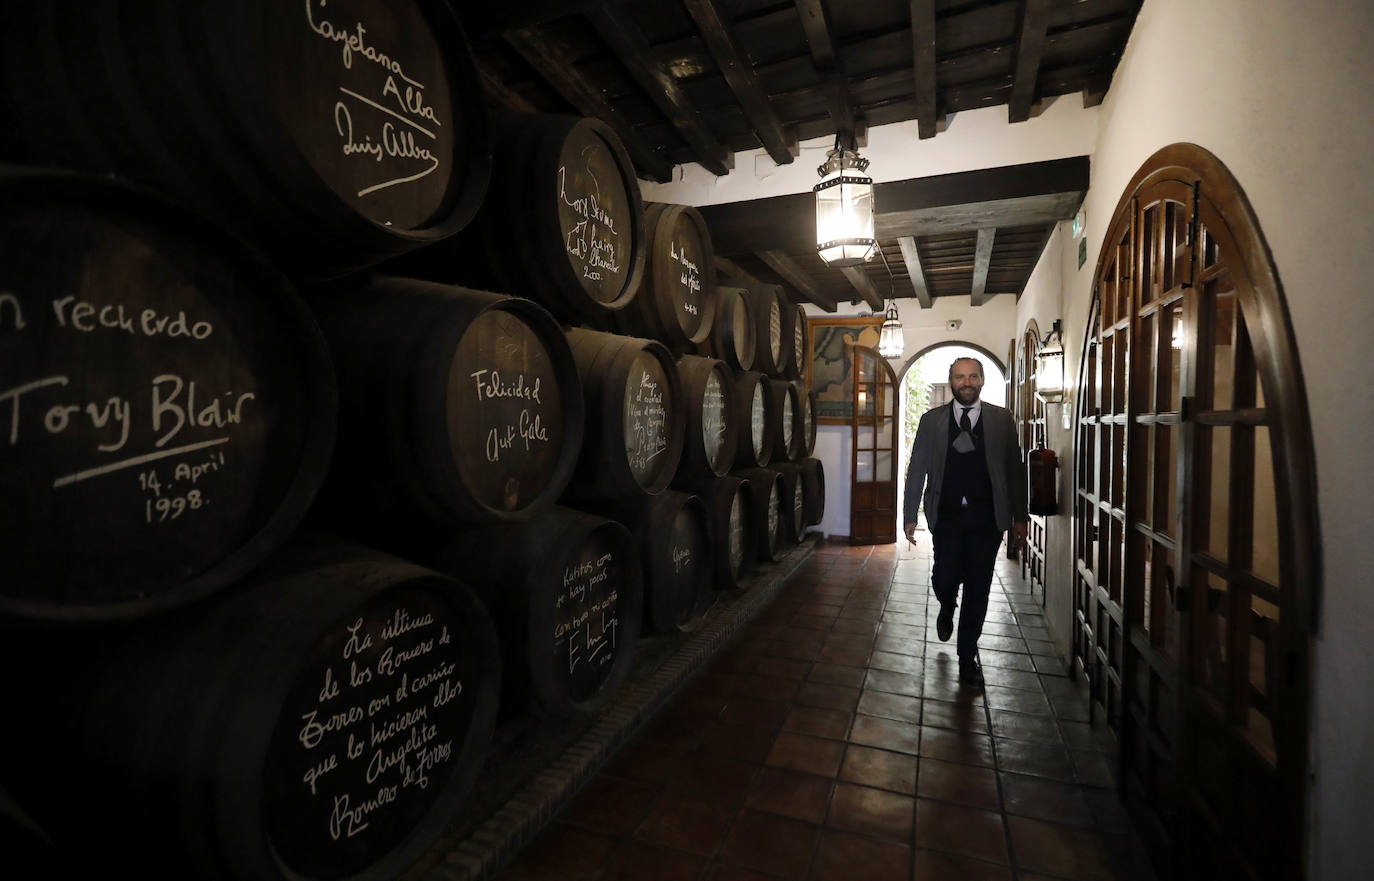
pixel 967 395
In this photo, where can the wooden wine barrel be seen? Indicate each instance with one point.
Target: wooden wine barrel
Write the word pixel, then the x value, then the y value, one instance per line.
pixel 800 354
pixel 813 490
pixel 793 502
pixel 711 435
pixel 457 406
pixel 770 310
pixel 563 223
pixel 806 420
pixel 785 412
pixel 734 338
pixel 167 399
pixel 566 592
pixel 733 527
pixel 673 533
pixel 325 721
pixel 677 303
pixel 765 485
pixel 753 402
pixel 332 135
pixel 635 415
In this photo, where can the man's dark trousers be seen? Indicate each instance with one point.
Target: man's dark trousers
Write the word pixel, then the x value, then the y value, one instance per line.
pixel 966 540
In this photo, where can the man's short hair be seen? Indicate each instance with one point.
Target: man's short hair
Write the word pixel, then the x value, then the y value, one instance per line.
pixel 966 358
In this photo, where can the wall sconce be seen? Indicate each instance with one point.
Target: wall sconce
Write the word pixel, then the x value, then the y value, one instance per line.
pixel 844 208
pixel 890 340
pixel 1049 379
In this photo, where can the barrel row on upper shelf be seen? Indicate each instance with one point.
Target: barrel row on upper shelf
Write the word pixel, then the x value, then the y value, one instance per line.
pixel 338 139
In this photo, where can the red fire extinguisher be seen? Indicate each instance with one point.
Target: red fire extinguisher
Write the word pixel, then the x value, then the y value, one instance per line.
pixel 1042 468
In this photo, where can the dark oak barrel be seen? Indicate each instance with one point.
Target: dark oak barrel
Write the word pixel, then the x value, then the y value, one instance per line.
pixel 793 502
pixel 800 345
pixel 562 224
pixel 733 337
pixel 806 420
pixel 323 721
pixel 813 490
pixel 765 485
pixel 734 529
pixel 753 403
pixel 712 430
pixel 635 415
pixel 785 412
pixel 333 134
pixel 167 405
pixel 457 406
pixel 566 593
pixel 673 533
pixel 676 304
pixel 773 346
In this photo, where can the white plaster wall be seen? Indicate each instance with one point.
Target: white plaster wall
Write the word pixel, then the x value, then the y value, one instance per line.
pixel 1279 91
pixel 974 139
pixel 834 445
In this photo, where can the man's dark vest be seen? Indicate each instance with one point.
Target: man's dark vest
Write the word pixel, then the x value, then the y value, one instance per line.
pixel 966 474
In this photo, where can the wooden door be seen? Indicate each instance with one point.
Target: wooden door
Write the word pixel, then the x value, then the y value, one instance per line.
pixel 1192 596
pixel 873 465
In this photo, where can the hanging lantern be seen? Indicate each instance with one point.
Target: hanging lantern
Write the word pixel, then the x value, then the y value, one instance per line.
pixel 890 342
pixel 1049 379
pixel 844 209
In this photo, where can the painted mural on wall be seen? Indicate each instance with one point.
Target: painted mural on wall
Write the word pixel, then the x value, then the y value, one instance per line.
pixel 829 369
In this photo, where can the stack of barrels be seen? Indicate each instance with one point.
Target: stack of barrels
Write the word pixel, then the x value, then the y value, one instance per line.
pixel 331 435
pixel 775 409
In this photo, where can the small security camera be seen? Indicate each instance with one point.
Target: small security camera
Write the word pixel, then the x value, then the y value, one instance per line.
pixel 953 324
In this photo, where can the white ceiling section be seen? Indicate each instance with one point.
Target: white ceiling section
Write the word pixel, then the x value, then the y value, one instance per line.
pixel 974 139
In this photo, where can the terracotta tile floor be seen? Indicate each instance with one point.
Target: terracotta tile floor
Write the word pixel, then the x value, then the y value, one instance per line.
pixel 831 740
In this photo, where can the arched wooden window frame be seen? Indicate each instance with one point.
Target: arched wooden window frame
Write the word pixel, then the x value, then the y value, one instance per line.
pixel 1219 850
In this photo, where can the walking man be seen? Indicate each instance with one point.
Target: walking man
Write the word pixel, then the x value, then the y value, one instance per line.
pixel 967 461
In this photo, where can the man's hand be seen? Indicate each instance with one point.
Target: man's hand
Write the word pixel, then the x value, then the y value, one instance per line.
pixel 910 529
pixel 1020 529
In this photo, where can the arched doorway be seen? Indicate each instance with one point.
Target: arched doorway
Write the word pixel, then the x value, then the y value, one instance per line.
pixel 1195 524
pixel 924 383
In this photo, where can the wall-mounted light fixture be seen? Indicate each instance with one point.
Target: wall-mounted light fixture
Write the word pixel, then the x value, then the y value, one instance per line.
pixel 844 207
pixel 890 339
pixel 1049 378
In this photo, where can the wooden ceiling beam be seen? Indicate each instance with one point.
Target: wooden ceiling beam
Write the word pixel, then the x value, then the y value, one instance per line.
pixel 909 207
pixel 973 216
pixel 796 276
pixel 727 268
pixel 628 44
pixel 488 19
pixel 912 258
pixel 815 21
pixel 864 285
pixel 558 70
pixel 928 120
pixel 738 71
pixel 498 93
pixel 1096 89
pixel 982 259
pixel 1032 24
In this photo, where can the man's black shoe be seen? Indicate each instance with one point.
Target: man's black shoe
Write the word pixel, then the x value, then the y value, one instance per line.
pixel 944 622
pixel 970 674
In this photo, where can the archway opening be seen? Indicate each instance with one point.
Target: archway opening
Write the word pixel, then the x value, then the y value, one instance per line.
pixel 925 385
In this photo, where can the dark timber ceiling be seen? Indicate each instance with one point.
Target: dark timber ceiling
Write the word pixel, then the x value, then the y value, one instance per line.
pixel 698 80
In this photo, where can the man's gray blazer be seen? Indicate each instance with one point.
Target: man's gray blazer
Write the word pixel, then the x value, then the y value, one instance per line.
pixel 1005 465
